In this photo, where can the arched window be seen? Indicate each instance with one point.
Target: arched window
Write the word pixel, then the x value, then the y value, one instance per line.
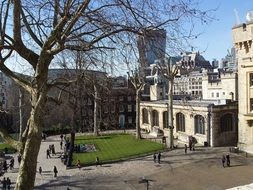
pixel 145 116
pixel 180 122
pixel 165 119
pixel 155 118
pixel 226 122
pixel 199 123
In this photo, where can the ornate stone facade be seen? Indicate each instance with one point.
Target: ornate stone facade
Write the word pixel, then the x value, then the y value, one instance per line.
pixel 210 122
pixel 242 39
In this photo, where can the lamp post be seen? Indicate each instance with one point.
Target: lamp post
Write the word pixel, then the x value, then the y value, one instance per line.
pixel 144 180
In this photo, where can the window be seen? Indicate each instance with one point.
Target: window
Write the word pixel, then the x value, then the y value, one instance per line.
pixel 165 119
pixel 251 79
pixel 130 120
pixel 129 108
pixel 180 122
pixel 155 118
pixel 217 94
pixel 129 98
pixel 121 98
pixel 226 122
pixel 121 108
pixel 105 109
pixel 223 93
pixel 212 94
pixel 199 124
pixel 145 116
pixel 251 105
pixel 112 108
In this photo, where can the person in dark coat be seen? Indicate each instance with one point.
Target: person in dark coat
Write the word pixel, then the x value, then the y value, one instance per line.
pixel 223 160
pixel 40 170
pixel 154 157
pixel 11 163
pixel 55 171
pixel 61 143
pixel 5 167
pixel 228 160
pixel 8 183
pixel 4 183
pixel 19 159
pixel 159 157
pixel 185 148
pixel 48 153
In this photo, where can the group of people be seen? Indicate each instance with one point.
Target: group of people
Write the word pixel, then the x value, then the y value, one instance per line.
pixel 6 183
pixel 157 157
pixel 10 166
pixel 50 150
pixel 54 170
pixel 225 159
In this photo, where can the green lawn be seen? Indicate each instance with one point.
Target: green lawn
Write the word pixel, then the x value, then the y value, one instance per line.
pixel 10 149
pixel 114 147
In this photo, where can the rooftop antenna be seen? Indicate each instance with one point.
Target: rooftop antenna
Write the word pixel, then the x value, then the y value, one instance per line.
pixel 238 21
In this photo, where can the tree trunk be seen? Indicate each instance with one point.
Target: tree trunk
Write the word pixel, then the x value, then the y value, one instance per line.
pixel 27 170
pixel 138 132
pixel 170 112
pixel 96 133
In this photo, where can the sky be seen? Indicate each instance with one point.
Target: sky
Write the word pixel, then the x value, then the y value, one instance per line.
pixel 216 38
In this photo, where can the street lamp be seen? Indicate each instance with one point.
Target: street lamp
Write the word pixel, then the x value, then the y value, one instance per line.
pixel 144 180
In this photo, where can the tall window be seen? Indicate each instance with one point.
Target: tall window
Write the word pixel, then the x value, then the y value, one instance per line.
pixel 251 79
pixel 180 122
pixel 199 123
pixel 145 116
pixel 226 122
pixel 251 105
pixel 155 118
pixel 165 119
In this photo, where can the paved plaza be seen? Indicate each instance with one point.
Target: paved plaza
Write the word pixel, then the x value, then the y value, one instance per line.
pixel 201 169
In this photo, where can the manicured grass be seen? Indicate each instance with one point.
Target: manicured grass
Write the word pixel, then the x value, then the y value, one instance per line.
pixel 114 147
pixel 10 149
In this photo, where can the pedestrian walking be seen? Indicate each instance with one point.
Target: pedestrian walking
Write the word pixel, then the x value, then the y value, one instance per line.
pixel 11 163
pixel 5 167
pixel 61 143
pixel 8 183
pixel 78 164
pixel 97 161
pixel 55 171
pixel 4 183
pixel 40 170
pixel 223 160
pixel 185 148
pixel 48 153
pixel 53 149
pixel 228 160
pixel 159 157
pixel 61 136
pixel 19 159
pixel 154 157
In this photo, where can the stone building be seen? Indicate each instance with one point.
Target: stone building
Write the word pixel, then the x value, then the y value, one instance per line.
pixel 5 83
pixel 212 123
pixel 220 85
pixel 242 39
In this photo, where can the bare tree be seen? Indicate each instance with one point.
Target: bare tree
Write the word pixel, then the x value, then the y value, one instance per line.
pixel 138 82
pixel 38 31
pixel 169 71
